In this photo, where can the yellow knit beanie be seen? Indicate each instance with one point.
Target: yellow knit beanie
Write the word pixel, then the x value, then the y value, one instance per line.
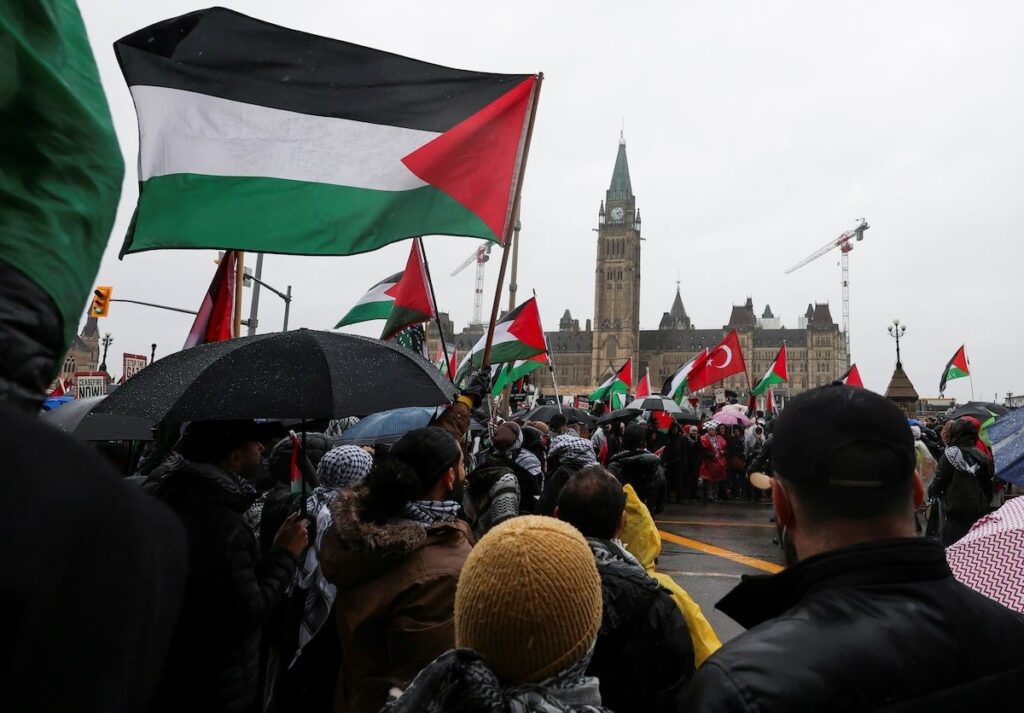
pixel 529 599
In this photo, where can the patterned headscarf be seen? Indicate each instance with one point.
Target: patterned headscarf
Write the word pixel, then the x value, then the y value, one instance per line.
pixel 570 449
pixel 344 467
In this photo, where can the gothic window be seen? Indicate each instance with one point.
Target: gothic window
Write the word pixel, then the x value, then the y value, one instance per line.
pixel 609 349
pixel 69 364
pixel 620 274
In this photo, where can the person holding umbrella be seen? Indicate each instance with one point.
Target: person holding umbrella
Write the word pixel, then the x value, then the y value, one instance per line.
pixel 230 591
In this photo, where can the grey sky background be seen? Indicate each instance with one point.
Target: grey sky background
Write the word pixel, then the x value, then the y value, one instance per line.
pixel 756 132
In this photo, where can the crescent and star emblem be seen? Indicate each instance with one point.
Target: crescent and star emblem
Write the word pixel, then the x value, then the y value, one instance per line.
pixel 728 357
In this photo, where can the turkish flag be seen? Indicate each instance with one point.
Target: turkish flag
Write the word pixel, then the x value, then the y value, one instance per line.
pixel 724 360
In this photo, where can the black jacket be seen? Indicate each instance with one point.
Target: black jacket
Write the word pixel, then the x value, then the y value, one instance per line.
pixel 643 657
pixel 214 658
pixel 91 575
pixel 638 468
pixel 874 627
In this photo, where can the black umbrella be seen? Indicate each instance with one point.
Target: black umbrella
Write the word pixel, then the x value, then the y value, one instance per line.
pixel 622 414
pixel 982 410
pixel 299 374
pixel 546 413
pixel 686 417
pixel 655 403
pixel 78 419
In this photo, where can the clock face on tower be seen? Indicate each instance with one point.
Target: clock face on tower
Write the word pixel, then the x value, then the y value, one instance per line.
pixel 617 213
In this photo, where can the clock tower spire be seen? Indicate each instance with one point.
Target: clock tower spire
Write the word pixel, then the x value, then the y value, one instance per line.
pixel 617 276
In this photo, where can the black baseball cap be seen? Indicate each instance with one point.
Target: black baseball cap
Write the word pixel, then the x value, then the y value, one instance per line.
pixel 816 425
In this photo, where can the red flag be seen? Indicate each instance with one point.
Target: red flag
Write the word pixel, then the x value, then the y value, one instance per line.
pixel 453 363
pixel 852 377
pixel 724 360
pixel 643 389
pixel 59 389
pixel 216 319
pixel 293 468
pixel 769 402
pixel 413 304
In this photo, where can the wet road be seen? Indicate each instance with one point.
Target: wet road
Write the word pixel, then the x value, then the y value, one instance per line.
pixel 706 547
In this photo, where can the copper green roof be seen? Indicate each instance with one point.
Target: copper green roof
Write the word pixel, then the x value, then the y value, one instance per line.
pixel 620 188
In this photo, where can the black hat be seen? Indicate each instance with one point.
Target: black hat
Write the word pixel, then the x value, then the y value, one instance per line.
pixel 209 441
pixel 819 423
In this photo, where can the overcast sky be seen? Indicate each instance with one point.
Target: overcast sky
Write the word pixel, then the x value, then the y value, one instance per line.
pixel 756 132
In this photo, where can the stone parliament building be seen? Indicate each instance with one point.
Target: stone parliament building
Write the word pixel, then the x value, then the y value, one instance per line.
pixel 583 358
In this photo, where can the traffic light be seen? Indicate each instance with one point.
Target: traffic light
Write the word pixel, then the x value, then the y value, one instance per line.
pixel 100 306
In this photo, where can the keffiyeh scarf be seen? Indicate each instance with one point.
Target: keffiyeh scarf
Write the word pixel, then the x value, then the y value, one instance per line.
pixel 569 449
pixel 959 460
pixel 459 680
pixel 428 512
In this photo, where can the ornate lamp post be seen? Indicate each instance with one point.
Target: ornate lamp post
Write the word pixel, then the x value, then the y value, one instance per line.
pixel 107 341
pixel 897 330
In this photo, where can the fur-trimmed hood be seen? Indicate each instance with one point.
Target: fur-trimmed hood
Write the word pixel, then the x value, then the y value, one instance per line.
pixel 367 549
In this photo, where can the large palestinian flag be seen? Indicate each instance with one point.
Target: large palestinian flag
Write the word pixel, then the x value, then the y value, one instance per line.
pixel 517 335
pixel 956 368
pixel 777 374
pixel 257 137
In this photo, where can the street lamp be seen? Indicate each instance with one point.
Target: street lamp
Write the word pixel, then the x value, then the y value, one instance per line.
pixel 107 341
pixel 897 330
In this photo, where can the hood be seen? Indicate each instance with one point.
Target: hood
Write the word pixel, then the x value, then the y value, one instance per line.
pixel 368 548
pixel 641 534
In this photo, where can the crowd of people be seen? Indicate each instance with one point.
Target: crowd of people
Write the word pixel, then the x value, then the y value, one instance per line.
pixel 513 567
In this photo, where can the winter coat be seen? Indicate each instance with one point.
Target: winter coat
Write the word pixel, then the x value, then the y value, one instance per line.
pixel 91 575
pixel 642 540
pixel 712 463
pixel 639 468
pixel 395 607
pixel 762 462
pixel 643 657
pixel 963 476
pixel 229 594
pixel 880 626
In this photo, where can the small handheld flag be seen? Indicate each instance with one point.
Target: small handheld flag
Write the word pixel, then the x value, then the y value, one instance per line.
pixel 956 368
pixel 852 377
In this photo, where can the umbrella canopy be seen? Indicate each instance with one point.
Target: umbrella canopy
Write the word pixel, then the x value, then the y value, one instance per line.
pixel 387 426
pixel 685 415
pixel 1007 435
pixel 730 417
pixel 990 558
pixel 299 374
pixel 655 403
pixel 622 414
pixel 78 419
pixel 546 413
pixel 982 410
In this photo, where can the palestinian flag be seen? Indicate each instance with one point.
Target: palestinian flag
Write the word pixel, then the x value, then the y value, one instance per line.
pixel 676 385
pixel 215 321
pixel 447 365
pixel 258 137
pixel 513 371
pixel 375 304
pixel 852 377
pixel 294 469
pixel 413 303
pixel 643 389
pixel 517 335
pixel 615 388
pixel 776 374
pixel 414 338
pixel 956 368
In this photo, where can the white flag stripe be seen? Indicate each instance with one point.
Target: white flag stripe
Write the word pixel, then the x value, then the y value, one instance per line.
pixel 187 132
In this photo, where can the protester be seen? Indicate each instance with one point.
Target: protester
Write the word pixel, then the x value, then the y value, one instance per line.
pixel 527 613
pixel 637 466
pixel 868 616
pixel 500 488
pixel 394 552
pixel 674 458
pixel 640 537
pixel 230 590
pixel 925 463
pixel 644 655
pixel 963 480
pixel 567 454
pixel 736 463
pixel 712 464
pixel 303 678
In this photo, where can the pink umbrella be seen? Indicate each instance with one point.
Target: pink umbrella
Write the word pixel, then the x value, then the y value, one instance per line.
pixel 990 558
pixel 729 417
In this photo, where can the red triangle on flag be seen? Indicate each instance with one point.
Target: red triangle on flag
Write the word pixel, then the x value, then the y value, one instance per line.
pixel 526 326
pixel 477 160
pixel 852 377
pixel 643 389
pixel 625 374
pixel 215 321
pixel 413 304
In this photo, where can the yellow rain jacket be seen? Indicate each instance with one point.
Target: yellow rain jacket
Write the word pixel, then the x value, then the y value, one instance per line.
pixel 643 542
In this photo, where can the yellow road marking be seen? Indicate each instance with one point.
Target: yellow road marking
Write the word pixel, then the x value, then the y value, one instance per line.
pixel 701 523
pixel 721 552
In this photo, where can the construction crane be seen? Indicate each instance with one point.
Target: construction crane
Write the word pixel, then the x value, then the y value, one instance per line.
pixel 480 256
pixel 845 244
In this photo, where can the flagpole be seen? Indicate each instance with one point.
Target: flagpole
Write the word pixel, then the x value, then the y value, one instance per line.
pixel 551 369
pixel 507 238
pixel 437 311
pixel 239 278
